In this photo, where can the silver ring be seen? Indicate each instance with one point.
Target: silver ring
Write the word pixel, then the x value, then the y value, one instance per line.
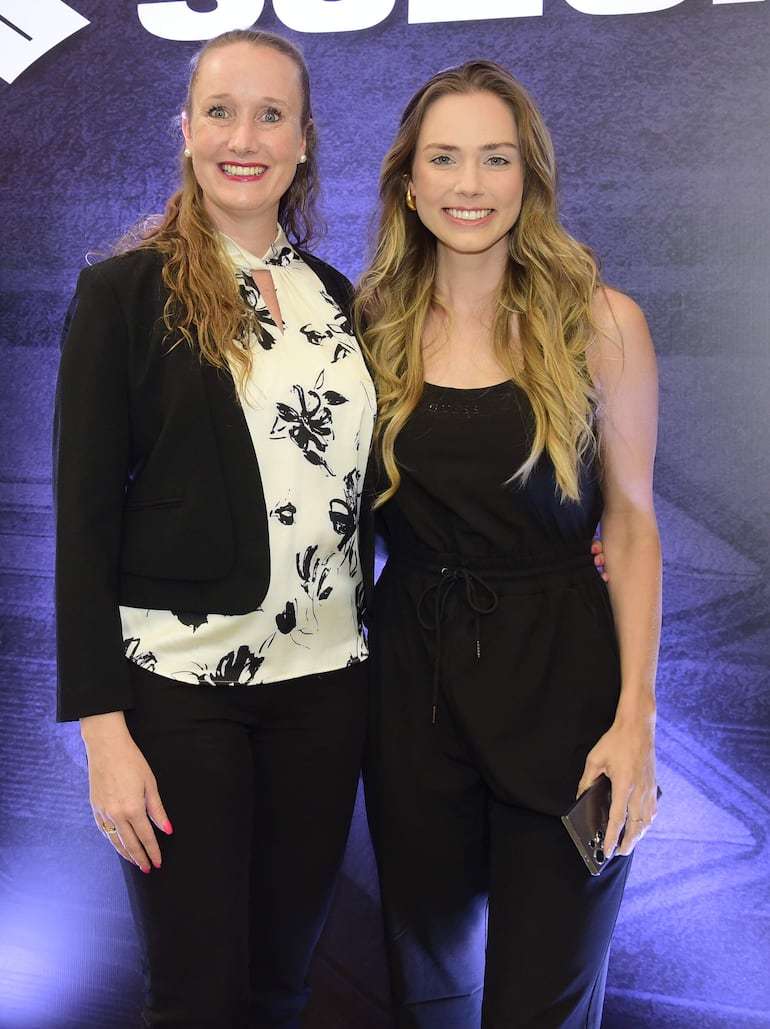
pixel 109 830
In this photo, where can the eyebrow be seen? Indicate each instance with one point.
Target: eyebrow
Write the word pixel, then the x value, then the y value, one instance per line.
pixel 209 98
pixel 486 147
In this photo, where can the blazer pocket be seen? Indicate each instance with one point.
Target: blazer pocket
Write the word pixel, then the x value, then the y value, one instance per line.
pixel 175 539
pixel 148 505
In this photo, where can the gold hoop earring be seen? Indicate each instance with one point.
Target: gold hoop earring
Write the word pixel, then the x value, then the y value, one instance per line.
pixel 409 199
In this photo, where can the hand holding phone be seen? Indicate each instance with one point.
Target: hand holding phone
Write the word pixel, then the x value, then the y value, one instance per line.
pixel 586 822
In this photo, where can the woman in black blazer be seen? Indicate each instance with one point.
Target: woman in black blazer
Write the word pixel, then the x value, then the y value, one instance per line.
pixel 212 430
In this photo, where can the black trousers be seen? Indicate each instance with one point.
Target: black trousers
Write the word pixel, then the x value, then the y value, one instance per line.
pixel 491 917
pixel 259 784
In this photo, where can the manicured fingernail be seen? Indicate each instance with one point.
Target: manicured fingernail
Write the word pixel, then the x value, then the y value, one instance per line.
pixel 594 549
pixel 145 870
pixel 156 864
pixel 166 827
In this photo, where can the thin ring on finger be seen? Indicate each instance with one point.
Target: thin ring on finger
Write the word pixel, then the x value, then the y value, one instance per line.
pixel 111 832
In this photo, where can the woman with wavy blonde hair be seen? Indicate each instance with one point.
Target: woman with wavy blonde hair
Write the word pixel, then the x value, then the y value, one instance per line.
pixel 211 446
pixel 517 407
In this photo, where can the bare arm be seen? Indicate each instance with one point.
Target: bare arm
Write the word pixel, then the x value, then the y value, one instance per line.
pixel 623 365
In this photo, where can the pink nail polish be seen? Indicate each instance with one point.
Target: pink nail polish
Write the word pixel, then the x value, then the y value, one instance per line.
pixel 145 870
pixel 156 864
pixel 167 829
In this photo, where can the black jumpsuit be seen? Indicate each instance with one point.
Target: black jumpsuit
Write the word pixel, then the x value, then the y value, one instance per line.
pixel 495 670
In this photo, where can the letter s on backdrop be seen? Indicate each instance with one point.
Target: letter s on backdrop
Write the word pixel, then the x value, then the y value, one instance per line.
pixel 340 16
pixel 432 11
pixel 622 6
pixel 173 19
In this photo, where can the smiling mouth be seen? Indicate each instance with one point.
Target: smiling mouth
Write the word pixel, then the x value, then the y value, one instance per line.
pixel 464 215
pixel 243 171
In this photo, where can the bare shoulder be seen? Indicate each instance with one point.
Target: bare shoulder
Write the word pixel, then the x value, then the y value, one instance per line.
pixel 623 339
pixel 616 315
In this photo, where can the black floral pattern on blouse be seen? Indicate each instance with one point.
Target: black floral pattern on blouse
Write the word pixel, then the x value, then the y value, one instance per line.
pixel 285 512
pixel 342 323
pixel 314 336
pixel 313 573
pixel 282 257
pixel 237 668
pixel 309 422
pixel 342 515
pixel 286 620
pixel 251 295
pixel 146 660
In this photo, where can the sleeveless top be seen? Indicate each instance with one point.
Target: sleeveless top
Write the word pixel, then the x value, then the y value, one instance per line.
pixel 457 454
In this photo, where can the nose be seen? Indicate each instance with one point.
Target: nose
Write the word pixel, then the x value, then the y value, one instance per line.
pixel 468 182
pixel 242 136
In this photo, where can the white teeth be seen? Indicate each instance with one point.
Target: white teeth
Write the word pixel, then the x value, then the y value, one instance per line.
pixel 468 216
pixel 238 169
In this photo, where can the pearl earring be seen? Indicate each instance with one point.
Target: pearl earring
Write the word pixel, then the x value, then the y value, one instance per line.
pixel 187 152
pixel 302 159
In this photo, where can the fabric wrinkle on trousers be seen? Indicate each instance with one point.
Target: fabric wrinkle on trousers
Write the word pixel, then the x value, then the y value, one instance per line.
pixel 259 783
pixel 491 917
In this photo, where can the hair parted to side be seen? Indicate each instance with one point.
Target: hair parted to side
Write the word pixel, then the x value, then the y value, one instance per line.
pixel 204 306
pixel 548 286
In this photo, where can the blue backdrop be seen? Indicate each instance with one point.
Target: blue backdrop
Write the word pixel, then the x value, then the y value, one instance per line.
pixel 659 111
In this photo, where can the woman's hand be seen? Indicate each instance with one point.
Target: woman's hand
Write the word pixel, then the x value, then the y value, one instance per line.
pixel 597 550
pixel 123 792
pixel 626 755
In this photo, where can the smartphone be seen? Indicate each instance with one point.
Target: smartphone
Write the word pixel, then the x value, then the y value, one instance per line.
pixel 586 822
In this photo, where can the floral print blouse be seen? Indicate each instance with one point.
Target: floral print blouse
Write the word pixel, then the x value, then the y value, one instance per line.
pixel 309 405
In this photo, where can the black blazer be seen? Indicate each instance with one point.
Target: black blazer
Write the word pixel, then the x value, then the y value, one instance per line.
pixel 157 490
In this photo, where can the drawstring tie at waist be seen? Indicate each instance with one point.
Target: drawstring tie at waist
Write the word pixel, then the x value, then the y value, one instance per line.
pixel 440 591
pixel 483 580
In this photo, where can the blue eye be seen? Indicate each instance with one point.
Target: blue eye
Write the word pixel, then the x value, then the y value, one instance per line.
pixel 498 162
pixel 217 113
pixel 271 115
pixel 441 159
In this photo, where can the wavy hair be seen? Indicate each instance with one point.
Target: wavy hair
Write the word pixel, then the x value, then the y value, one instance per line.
pixel 204 304
pixel 547 287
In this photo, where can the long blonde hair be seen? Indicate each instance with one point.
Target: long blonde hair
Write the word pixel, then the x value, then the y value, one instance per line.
pixel 548 286
pixel 204 304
